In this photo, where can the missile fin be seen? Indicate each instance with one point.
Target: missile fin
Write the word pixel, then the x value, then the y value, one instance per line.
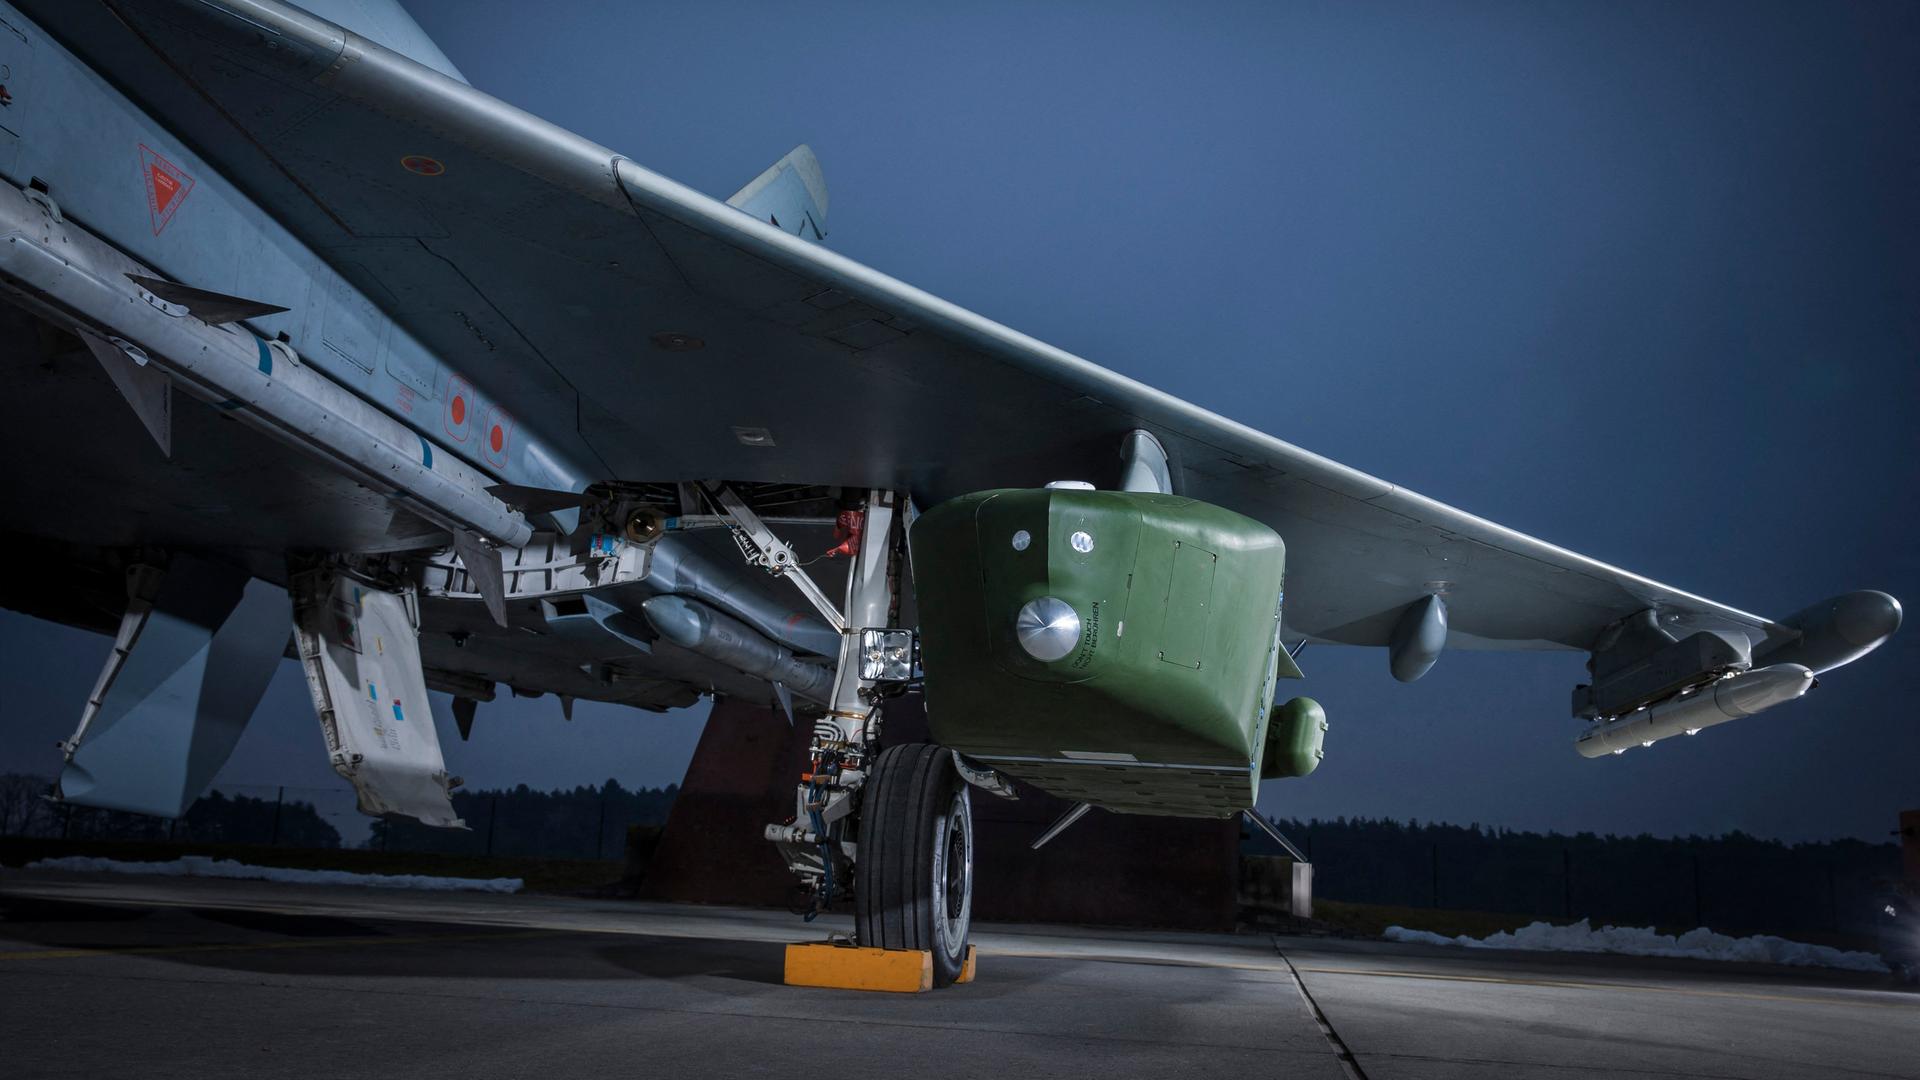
pixel 483 566
pixel 463 710
pixel 211 308
pixel 147 388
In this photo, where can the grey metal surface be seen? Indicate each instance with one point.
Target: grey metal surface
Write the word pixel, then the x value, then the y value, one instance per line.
pixel 792 188
pixel 1729 698
pixel 680 563
pixel 73 278
pixel 568 260
pixel 233 975
pixel 1060 824
pixel 1144 464
pixel 227 486
pixel 1268 827
pixel 1838 631
pixel 696 627
pixel 95 150
pixel 1418 637
pixel 359 648
pixel 143 385
pixel 207 306
pixel 387 22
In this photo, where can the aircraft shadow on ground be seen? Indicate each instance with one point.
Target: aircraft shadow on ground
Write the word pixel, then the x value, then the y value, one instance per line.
pixel 301 944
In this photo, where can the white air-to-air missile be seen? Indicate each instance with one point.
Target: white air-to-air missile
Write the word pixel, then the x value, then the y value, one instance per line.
pixel 1725 699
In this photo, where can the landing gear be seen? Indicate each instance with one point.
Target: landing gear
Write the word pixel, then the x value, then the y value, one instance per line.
pixel 895 825
pixel 913 886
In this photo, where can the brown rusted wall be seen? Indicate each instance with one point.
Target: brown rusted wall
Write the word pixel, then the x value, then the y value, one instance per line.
pixel 741 777
pixel 1107 869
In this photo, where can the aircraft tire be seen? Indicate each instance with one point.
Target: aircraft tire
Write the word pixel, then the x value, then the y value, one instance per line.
pixel 913 881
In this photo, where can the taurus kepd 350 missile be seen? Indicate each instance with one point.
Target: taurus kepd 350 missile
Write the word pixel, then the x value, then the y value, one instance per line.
pixel 1726 699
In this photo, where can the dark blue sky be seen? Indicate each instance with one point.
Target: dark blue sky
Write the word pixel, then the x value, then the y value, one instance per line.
pixel 1641 279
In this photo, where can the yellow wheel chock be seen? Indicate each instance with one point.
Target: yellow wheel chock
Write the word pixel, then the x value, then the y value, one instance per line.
pixel 850 967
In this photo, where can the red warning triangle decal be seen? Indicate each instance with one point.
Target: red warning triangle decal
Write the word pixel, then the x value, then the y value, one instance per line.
pixel 167 187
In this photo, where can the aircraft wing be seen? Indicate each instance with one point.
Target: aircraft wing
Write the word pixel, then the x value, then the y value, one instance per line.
pixel 675 336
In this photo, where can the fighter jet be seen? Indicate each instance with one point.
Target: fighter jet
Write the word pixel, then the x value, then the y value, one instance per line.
pixel 352 362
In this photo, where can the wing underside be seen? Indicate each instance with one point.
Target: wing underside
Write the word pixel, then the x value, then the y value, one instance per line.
pixel 674 337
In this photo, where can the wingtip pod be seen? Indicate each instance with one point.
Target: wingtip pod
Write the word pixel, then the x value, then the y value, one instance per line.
pixel 1836 632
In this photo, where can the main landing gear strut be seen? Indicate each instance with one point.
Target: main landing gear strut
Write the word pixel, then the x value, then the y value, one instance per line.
pixel 894 828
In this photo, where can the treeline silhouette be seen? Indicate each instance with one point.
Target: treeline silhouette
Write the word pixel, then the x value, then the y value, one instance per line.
pixel 214 818
pixel 582 822
pixel 1733 882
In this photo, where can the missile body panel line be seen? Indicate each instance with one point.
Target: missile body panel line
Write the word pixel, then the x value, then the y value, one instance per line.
pixel 79 280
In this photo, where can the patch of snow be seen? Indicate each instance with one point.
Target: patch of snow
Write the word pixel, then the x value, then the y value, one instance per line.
pixel 206 866
pixel 1700 944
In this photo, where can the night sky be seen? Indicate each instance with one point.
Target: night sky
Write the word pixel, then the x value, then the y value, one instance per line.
pixel 1642 279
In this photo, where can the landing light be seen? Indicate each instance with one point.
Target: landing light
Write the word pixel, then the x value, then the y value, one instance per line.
pixel 886 655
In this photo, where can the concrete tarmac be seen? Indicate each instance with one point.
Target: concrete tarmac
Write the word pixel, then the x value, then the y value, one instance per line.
pixel 107 975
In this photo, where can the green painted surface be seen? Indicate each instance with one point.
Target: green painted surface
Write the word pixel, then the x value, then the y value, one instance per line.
pixel 1162 708
pixel 1296 739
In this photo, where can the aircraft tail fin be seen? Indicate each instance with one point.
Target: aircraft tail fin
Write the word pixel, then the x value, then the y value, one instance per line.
pixel 791 194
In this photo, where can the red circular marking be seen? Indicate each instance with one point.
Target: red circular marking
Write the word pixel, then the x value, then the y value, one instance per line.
pixel 422 165
pixel 497 439
pixel 459 410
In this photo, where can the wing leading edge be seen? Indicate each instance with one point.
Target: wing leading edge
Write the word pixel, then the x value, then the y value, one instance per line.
pixel 560 254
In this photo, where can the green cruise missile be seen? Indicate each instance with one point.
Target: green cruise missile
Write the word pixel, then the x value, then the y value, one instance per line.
pixel 1117 648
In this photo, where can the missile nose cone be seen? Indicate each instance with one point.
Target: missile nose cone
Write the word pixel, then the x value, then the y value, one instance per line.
pixel 1866 618
pixel 676 619
pixel 1047 628
pixel 1763 688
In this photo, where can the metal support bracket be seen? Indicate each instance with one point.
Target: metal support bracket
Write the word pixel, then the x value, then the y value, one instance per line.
pixel 1060 825
pixel 766 550
pixel 195 651
pixel 1266 826
pixel 990 780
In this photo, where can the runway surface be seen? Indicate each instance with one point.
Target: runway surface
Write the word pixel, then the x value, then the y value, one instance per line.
pixel 103 975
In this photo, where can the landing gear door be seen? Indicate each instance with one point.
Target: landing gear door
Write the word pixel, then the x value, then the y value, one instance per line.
pixel 360 649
